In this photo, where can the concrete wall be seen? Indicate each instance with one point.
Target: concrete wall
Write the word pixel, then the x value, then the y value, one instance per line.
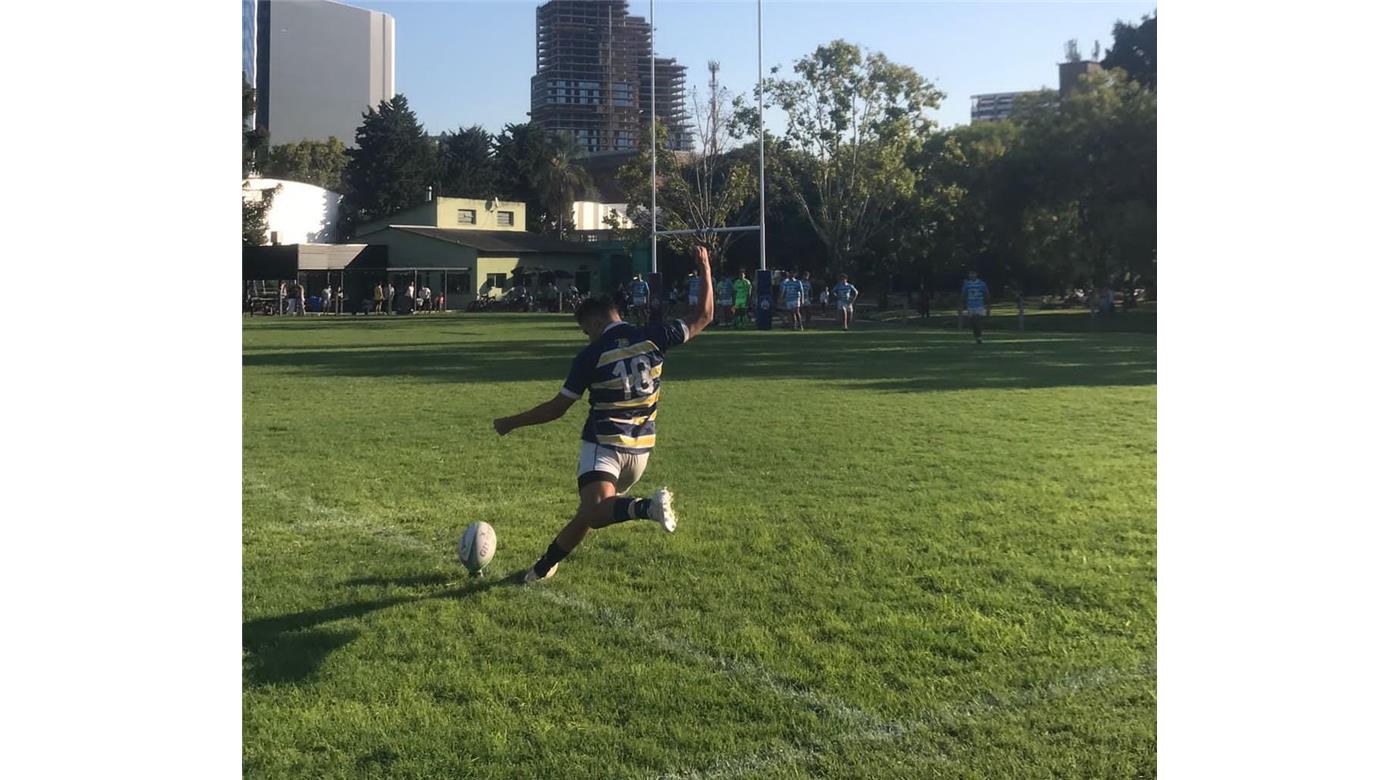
pixel 300 213
pixel 590 214
pixel 442 213
pixel 407 250
pixel 485 217
pixel 321 65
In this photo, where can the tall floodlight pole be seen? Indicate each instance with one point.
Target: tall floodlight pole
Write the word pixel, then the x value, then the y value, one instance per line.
pixel 762 212
pixel 653 135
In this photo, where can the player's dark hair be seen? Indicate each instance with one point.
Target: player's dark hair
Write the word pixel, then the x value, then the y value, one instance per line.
pixel 595 306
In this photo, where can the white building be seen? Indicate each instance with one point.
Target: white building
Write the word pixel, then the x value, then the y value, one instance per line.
pixel 592 215
pixel 300 213
pixel 996 106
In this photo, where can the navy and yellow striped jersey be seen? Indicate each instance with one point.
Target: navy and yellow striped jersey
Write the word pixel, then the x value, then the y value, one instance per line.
pixel 622 373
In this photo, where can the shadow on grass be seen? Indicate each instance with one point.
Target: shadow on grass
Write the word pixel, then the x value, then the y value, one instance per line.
pixel 913 360
pixel 289 649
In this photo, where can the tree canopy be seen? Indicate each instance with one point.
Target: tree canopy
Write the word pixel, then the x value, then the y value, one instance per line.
pixel 393 164
pixel 466 166
pixel 1135 50
pixel 854 117
pixel 321 163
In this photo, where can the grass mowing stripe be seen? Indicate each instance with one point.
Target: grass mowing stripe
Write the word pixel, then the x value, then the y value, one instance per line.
pixel 896 730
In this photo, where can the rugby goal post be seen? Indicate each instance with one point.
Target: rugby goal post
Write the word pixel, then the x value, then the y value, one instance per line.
pixel 763 299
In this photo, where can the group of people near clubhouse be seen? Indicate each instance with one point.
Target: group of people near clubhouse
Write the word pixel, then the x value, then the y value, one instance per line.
pixel 415 298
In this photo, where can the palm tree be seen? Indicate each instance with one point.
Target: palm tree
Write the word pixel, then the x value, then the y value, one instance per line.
pixel 560 179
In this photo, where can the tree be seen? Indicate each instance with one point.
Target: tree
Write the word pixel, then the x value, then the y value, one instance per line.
pixel 559 180
pixel 1072 50
pixel 255 215
pixel 393 165
pixel 466 167
pixel 716 187
pixel 321 163
pixel 1135 50
pixel 520 150
pixel 1088 166
pixel 854 119
pixel 960 219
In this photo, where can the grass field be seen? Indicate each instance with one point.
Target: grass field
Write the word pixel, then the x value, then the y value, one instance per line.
pixel 899 555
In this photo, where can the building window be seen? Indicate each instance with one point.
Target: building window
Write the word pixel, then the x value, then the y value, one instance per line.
pixel 456 283
pixel 496 280
pixel 466 216
pixel 505 218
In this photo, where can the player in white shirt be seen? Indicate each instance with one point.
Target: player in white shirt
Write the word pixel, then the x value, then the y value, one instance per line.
pixel 846 294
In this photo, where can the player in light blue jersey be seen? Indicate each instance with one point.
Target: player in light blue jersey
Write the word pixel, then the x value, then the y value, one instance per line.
pixel 791 290
pixel 724 297
pixel 641 294
pixel 692 298
pixel 846 294
pixel 976 302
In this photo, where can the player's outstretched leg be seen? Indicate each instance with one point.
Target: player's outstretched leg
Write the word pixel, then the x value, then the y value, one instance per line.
pixel 600 507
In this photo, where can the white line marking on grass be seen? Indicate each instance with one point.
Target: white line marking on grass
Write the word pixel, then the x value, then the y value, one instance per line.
pixel 324 516
pixel 895 730
pixel 818 702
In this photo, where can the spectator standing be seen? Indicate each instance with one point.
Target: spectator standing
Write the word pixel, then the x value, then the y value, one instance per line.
pixel 389 298
pixel 807 296
pixel 620 300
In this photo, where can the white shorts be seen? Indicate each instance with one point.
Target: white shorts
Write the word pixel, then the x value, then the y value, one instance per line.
pixel 601 463
pixel 694 300
pixel 791 305
pixel 977 312
pixel 846 307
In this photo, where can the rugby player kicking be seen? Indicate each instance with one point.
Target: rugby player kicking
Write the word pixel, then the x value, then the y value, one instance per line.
pixel 621 370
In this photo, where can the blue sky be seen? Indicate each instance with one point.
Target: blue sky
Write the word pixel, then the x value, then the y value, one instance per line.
pixel 465 62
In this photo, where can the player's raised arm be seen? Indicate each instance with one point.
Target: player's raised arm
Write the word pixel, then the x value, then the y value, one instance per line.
pixel 705 311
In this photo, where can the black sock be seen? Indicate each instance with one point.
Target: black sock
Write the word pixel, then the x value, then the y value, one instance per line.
pixel 624 508
pixel 552 555
pixel 628 508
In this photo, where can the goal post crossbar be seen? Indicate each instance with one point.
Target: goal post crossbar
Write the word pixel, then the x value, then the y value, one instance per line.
pixel 702 231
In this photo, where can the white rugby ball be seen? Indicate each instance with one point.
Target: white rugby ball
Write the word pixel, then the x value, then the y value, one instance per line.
pixel 476 547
